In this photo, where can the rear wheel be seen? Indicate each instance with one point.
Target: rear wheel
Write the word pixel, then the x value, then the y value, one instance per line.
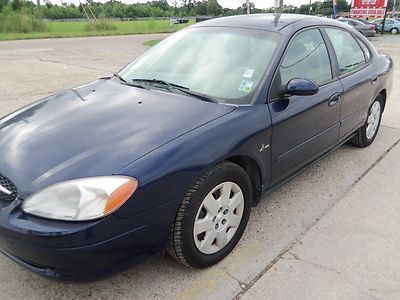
pixel 394 31
pixel 212 216
pixel 366 134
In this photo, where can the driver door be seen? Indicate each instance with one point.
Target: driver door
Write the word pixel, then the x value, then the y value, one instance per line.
pixel 303 126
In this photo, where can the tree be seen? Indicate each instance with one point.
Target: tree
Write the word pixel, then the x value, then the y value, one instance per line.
pixel 16 4
pixel 2 5
pixel 213 8
pixel 288 9
pixel 201 8
pixel 303 9
pixel 162 4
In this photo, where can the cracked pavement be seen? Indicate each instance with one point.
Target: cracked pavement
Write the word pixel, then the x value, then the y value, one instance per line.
pixel 332 232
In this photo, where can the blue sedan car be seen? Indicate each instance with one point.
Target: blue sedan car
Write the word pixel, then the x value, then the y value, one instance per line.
pixel 391 25
pixel 172 153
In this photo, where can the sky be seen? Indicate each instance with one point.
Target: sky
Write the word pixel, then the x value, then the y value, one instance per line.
pixel 260 3
pixel 223 3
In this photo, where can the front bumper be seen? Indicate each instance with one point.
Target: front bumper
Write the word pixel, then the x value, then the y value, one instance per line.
pixel 83 251
pixel 80 263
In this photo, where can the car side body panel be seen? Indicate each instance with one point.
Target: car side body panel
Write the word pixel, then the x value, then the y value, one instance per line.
pixel 174 168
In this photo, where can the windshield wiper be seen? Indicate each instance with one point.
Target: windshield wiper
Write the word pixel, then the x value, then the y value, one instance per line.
pixel 183 89
pixel 120 78
pixel 204 97
pixel 130 84
pixel 159 81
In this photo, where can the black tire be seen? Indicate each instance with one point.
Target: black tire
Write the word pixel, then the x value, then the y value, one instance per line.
pixel 394 31
pixel 181 244
pixel 360 139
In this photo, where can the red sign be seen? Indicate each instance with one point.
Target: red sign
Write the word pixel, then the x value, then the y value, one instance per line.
pixel 368 8
pixel 369 3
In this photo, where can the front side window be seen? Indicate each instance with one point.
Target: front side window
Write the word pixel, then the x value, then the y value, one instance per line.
pixel 225 63
pixel 349 53
pixel 306 58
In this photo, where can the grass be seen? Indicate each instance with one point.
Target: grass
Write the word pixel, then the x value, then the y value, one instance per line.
pixel 151 43
pixel 20 22
pixel 77 29
pixel 100 25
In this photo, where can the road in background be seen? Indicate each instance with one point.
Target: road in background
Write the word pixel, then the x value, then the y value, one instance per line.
pixel 332 232
pixel 33 69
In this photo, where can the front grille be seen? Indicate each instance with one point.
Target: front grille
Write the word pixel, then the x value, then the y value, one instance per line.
pixel 7 184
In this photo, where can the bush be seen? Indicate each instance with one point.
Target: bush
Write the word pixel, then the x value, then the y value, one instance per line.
pixel 21 22
pixel 17 4
pixel 100 25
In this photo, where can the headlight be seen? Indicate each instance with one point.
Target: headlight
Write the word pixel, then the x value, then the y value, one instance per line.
pixel 81 199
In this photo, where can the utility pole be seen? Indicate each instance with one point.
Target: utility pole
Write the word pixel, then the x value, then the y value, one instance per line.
pixel 334 2
pixel 309 8
pixel 279 6
pixel 38 8
pixel 248 7
pixel 384 20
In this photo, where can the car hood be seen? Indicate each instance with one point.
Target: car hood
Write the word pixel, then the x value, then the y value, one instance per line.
pixel 92 130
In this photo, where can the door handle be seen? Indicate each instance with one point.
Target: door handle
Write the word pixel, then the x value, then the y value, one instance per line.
pixel 374 79
pixel 334 99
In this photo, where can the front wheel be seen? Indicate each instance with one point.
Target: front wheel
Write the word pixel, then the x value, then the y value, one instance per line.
pixel 212 217
pixel 366 134
pixel 394 31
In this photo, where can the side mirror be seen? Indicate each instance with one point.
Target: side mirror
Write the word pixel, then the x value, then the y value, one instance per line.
pixel 301 87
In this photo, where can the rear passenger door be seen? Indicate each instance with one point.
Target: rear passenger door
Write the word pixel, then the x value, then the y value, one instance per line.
pixel 357 75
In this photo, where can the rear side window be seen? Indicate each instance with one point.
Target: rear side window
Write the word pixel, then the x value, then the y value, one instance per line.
pixel 367 53
pixel 349 53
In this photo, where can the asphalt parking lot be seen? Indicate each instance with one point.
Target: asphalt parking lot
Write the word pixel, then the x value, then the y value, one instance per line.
pixel 333 232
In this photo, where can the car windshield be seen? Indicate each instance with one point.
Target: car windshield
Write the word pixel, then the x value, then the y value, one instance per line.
pixel 226 64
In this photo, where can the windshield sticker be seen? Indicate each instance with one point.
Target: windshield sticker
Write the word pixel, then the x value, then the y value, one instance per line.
pixel 248 73
pixel 246 86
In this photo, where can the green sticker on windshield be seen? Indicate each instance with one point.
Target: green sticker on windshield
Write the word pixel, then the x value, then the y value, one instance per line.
pixel 246 86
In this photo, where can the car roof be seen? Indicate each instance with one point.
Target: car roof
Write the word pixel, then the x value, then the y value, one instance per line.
pixel 271 22
pixel 392 19
pixel 386 19
pixel 350 19
pixel 362 21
